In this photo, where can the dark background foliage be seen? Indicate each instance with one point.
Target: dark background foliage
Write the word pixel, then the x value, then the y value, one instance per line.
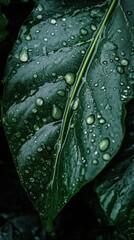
pixel 82 218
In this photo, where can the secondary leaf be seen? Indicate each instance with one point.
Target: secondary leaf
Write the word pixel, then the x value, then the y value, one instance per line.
pixel 68 78
pixel 115 188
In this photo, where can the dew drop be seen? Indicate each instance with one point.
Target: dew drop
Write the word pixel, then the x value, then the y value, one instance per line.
pixel 95 161
pixel 40 149
pixel 120 69
pixel 124 62
pixel 72 37
pixel 106 156
pixel 90 119
pixel 56 112
pixel 116 58
pixel 129 13
pixel 35 75
pixel 23 55
pixel 104 144
pixel 39 102
pixel 83 31
pixel 53 21
pixel 93 27
pixel 34 110
pixel 75 104
pixel 36 127
pixel 102 121
pixel 39 16
pixel 69 78
pixel 31 180
pixel 64 43
pixel 28 37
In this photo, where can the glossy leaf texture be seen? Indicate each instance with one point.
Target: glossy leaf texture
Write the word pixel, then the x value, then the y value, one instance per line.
pixel 115 187
pixel 67 80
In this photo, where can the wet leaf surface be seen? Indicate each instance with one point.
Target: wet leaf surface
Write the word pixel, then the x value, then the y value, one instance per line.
pixel 115 187
pixel 68 66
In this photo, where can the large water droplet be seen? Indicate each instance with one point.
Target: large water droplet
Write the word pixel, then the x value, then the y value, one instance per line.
pixel 53 21
pixel 124 62
pixel 104 144
pixel 69 78
pixel 23 54
pixel 39 101
pixel 28 37
pixel 90 119
pixel 106 156
pixel 56 112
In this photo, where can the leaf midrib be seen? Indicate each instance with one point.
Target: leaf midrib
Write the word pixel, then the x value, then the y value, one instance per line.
pixel 83 67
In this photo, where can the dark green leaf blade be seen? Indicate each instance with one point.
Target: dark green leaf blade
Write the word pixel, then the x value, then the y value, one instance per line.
pixel 115 187
pixel 58 132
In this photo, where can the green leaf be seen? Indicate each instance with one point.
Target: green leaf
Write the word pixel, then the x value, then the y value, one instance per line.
pixel 68 78
pixel 115 187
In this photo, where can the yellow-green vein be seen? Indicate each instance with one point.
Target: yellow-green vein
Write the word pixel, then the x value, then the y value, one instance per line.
pixel 80 75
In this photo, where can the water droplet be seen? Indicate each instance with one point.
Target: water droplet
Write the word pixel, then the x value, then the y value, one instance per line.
pixel 56 112
pixel 39 16
pixel 61 93
pixel 75 104
pixel 88 151
pixel 64 43
pixel 39 102
pixel 64 19
pixel 23 55
pixel 69 78
pixel 102 121
pixel 40 149
pixel 120 69
pixel 95 161
pixel 83 31
pixel 53 21
pixel 90 119
pixel 104 144
pixel 116 58
pixel 104 62
pixel 34 110
pixel 31 180
pixel 119 30
pixel 129 13
pixel 45 39
pixel 72 37
pixel 93 27
pixel 28 37
pixel 106 156
pixel 36 127
pixel 124 62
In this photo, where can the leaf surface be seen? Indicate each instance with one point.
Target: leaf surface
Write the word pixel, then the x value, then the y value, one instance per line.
pixel 68 78
pixel 115 187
